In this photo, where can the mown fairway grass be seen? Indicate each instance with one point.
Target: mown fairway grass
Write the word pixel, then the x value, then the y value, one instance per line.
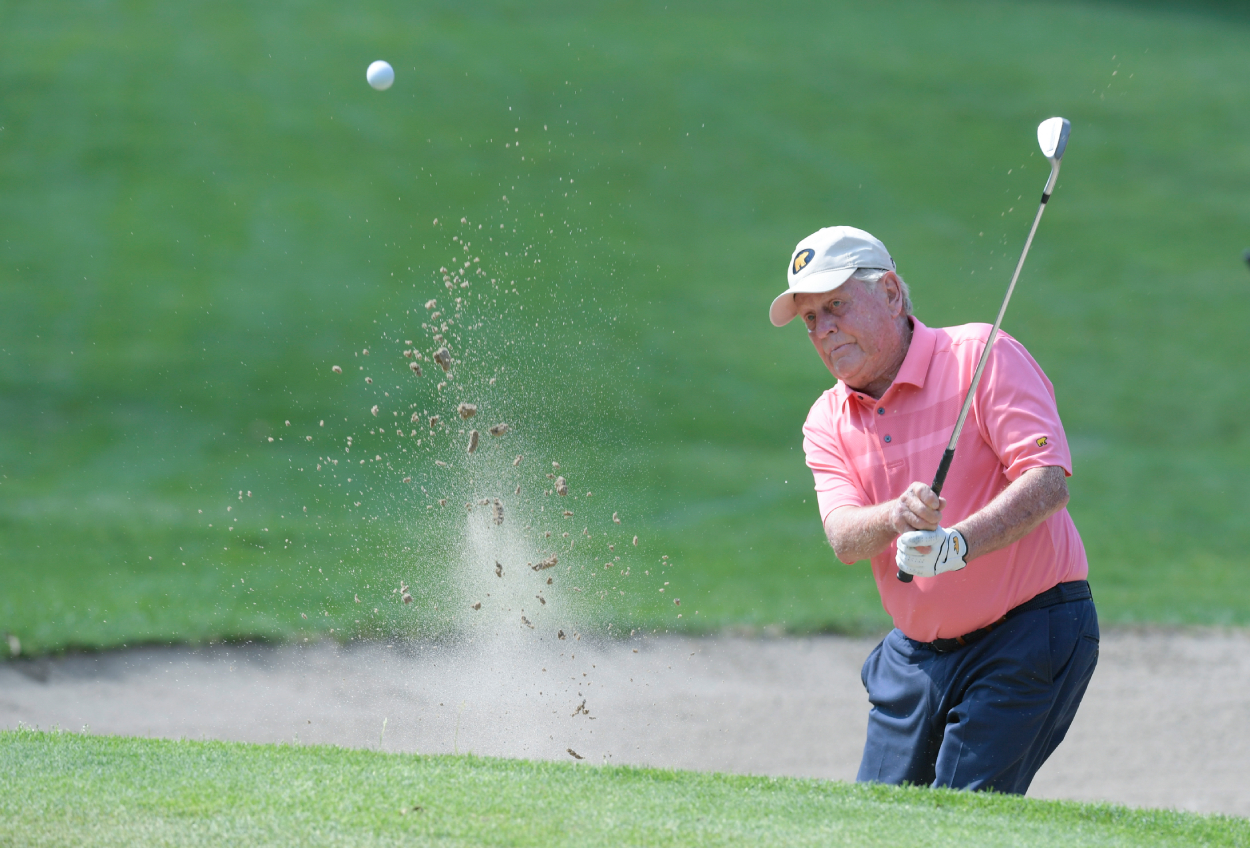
pixel 69 789
pixel 203 207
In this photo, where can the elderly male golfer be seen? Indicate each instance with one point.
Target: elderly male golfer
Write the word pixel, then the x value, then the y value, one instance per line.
pixel 996 638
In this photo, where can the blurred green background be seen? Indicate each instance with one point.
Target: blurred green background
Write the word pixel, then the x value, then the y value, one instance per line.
pixel 203 207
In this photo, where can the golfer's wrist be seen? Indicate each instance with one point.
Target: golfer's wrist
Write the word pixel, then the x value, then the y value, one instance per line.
pixel 969 544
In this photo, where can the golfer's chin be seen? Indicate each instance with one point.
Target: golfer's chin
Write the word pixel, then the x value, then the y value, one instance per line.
pixel 847 368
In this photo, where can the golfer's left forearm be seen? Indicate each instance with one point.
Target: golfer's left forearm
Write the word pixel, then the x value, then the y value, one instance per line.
pixel 1035 495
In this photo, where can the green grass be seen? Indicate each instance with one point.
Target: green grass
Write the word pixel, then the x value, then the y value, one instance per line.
pixel 204 207
pixel 70 789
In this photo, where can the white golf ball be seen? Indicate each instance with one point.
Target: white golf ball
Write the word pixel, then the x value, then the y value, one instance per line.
pixel 380 75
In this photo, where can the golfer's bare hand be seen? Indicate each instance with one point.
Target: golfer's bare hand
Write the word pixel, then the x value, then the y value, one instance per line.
pixel 919 508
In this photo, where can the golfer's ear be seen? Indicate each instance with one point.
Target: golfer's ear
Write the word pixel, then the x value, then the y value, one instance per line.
pixel 893 291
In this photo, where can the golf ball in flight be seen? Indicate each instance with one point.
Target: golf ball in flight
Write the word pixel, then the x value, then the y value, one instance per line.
pixel 380 75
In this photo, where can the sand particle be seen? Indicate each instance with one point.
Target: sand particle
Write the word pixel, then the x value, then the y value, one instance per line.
pixel 498 568
pixel 547 563
pixel 476 605
pixel 416 369
pixel 467 410
pixel 499 429
pixel 336 369
pixel 517 461
pixel 473 437
pixel 562 488
pixel 443 357
pixel 575 755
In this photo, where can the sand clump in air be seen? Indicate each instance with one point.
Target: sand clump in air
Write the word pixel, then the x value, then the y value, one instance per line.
pixel 502 579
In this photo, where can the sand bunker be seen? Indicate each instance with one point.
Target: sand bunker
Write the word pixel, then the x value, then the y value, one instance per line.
pixel 1163 723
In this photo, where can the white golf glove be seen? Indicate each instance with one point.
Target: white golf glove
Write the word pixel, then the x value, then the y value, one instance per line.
pixel 946 552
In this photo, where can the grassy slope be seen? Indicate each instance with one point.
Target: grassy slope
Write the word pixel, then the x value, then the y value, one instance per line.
pixel 70 789
pixel 184 251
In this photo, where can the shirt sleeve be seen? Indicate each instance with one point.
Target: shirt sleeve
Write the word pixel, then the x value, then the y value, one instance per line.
pixel 1017 414
pixel 835 483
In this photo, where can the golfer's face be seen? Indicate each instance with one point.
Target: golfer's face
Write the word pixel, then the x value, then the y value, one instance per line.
pixel 852 329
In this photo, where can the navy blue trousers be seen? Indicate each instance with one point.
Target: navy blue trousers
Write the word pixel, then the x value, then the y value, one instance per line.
pixel 985 716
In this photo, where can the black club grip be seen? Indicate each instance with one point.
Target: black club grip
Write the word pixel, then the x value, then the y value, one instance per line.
pixel 939 480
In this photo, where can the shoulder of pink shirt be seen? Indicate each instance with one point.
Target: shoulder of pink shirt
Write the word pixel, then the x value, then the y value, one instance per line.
pixel 974 332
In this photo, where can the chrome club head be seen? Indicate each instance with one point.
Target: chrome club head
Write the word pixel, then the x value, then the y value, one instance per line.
pixel 1052 136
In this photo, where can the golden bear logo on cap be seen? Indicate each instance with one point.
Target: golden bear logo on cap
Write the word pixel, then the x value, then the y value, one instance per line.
pixel 801 259
pixel 1041 443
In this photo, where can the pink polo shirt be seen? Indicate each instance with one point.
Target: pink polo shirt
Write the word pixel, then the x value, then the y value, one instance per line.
pixel 864 451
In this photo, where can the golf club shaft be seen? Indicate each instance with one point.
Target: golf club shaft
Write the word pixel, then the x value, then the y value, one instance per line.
pixel 944 466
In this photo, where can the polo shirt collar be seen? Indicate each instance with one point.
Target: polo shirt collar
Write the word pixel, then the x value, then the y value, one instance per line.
pixel 915 365
pixel 919 354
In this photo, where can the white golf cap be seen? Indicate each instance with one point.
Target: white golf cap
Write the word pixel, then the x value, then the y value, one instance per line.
pixel 825 260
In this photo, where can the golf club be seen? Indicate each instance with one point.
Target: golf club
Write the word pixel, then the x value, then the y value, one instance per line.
pixel 1052 135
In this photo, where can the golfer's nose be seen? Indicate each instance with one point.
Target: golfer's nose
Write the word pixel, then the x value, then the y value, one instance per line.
pixel 825 325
